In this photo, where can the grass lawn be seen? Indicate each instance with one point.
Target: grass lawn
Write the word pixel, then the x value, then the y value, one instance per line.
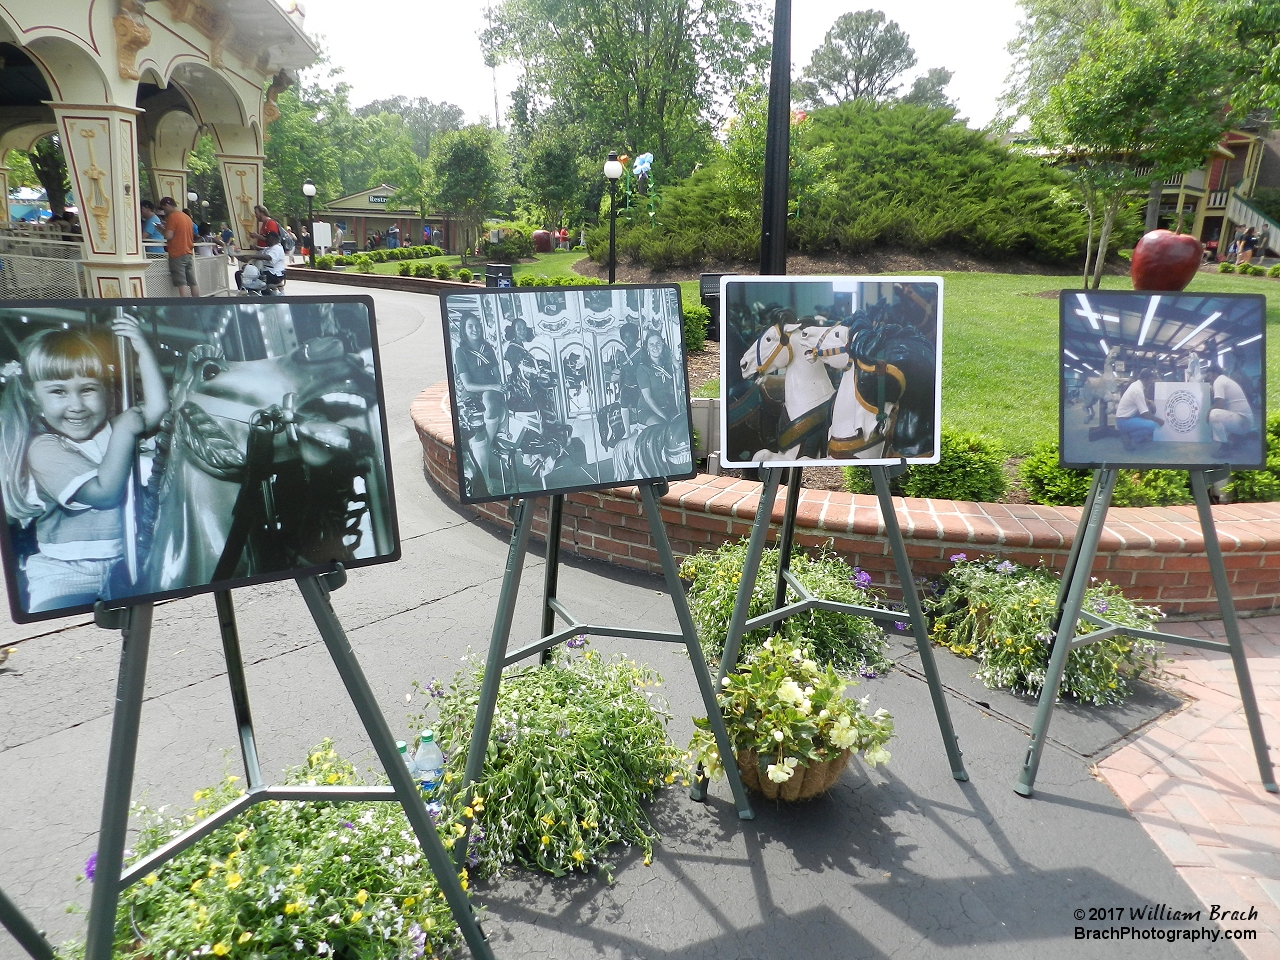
pixel 1000 350
pixel 551 264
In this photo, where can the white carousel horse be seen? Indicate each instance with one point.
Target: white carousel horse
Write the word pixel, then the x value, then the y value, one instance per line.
pixel 855 431
pixel 1105 388
pixel 807 389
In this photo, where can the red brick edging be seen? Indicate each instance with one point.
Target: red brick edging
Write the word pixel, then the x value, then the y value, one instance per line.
pixel 1155 554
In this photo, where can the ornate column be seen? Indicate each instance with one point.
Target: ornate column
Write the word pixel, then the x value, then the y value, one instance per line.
pixel 100 142
pixel 4 188
pixel 170 138
pixel 240 161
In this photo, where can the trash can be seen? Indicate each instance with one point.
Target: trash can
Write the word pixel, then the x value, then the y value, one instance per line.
pixel 497 275
pixel 709 290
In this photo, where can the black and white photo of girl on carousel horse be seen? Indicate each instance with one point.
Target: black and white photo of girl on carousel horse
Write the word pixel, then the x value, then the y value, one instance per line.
pixel 567 389
pixel 829 371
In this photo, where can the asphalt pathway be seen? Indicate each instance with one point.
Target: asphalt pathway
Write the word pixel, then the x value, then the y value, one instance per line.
pixel 899 862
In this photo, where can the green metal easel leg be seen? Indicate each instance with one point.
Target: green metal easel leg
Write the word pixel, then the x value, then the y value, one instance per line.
pixel 786 537
pixel 551 571
pixel 1094 519
pixel 911 600
pixel 316 595
pixel 497 651
pixel 23 930
pixel 750 569
pixel 239 688
pixel 135 629
pixel 705 687
pixel 1200 488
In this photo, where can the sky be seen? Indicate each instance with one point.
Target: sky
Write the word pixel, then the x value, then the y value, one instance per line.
pixel 390 47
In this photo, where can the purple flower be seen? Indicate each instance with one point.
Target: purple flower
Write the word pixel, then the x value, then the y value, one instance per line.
pixel 418 937
pixel 435 688
pixel 861 579
pixel 1005 566
pixel 91 866
pixel 348 824
pixel 577 643
pixel 900 625
pixel 958 558
pixel 1100 605
pixel 865 671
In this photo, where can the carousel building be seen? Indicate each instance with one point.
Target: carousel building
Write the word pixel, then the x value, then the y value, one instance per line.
pixel 130 84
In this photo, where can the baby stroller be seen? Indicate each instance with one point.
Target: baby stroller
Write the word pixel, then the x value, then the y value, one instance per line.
pixel 253 282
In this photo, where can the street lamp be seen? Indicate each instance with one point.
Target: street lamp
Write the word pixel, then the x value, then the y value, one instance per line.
pixel 309 191
pixel 613 170
pixel 192 197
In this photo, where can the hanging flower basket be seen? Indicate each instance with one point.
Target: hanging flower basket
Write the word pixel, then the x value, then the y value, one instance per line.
pixel 806 782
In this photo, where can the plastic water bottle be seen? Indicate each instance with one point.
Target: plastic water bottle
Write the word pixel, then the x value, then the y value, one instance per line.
pixel 429 762
pixel 408 760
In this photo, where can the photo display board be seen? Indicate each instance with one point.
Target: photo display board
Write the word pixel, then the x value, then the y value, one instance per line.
pixel 161 448
pixel 830 371
pixel 1169 380
pixel 567 388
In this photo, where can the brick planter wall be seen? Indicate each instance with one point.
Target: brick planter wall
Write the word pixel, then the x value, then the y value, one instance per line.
pixel 1155 554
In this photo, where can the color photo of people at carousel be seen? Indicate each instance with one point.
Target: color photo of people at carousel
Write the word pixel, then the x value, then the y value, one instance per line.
pixel 567 389
pixel 1168 380
pixel 822 370
pixel 160 448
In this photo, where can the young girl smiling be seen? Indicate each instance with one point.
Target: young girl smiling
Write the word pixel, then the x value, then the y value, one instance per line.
pixel 64 464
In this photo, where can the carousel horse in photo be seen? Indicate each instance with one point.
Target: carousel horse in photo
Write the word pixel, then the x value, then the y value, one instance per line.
pixel 805 418
pixel 1102 389
pixel 264 465
pixel 658 450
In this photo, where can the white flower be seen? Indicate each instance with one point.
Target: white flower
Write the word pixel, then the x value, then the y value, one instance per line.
pixel 810 666
pixel 808 691
pixel 777 735
pixel 843 735
pixel 782 772
pixel 805 706
pixel 789 691
pixel 824 714
pixel 877 754
pixel 724 681
pixel 768 644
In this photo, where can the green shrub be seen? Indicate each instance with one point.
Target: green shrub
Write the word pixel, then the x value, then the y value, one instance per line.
pixel 363 263
pixel 465 275
pixel 1226 266
pixel 524 280
pixel 696 318
pixel 1264 484
pixel 970 467
pixel 515 246
pixel 325 262
pixel 421 269
pixel 847 642
pixel 270 883
pixel 578 750
pixel 1048 483
pixel 443 271
pixel 378 256
pixel 1000 612
pixel 406 270
pixel 1256 271
pixel 1274 270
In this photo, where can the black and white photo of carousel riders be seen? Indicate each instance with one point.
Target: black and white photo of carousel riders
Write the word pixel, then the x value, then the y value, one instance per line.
pixel 567 389
pixel 161 448
pixel 1162 380
pixel 830 370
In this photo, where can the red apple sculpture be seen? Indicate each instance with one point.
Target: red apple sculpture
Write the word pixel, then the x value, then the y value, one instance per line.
pixel 1164 260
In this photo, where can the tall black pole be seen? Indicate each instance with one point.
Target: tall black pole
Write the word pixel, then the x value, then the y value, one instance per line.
pixel 777 150
pixel 311 228
pixel 613 227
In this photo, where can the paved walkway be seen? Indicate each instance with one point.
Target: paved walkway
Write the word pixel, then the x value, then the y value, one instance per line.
pixel 1192 781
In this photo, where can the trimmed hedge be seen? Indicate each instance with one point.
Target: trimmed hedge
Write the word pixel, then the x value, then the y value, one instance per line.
pixel 970 467
pixel 1048 483
pixel 696 319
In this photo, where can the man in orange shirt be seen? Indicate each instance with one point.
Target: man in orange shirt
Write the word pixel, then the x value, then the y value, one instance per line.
pixel 179 235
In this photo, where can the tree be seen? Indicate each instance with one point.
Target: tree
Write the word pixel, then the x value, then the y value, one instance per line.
pixel 929 90
pixel 1149 92
pixel 204 177
pixel 50 168
pixel 466 176
pixel 423 118
pixel 859 59
pixel 642 75
pixel 304 143
pixel 20 172
pixel 1251 30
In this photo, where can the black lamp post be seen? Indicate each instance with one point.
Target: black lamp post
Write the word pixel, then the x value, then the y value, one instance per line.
pixel 309 191
pixel 777 151
pixel 613 170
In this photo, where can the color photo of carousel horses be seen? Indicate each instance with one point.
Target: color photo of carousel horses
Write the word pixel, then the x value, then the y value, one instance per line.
pixel 160 448
pixel 830 370
pixel 564 389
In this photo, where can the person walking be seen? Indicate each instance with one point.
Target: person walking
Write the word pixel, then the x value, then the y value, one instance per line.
pixel 179 235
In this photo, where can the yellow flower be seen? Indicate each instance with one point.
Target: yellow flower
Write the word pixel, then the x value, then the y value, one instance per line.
pixel 648 859
pixel 579 856
pixel 221 949
pixel 245 937
pixel 355 917
pixel 463 879
pixel 478 804
pixel 448 777
pixel 242 836
pixel 545 840
pixel 196 886
pixel 549 820
pixel 459 829
pixel 295 870
pixel 290 908
pixel 409 902
pixel 361 897
pixel 149 879
pixel 233 880
pixel 669 778
pixel 468 813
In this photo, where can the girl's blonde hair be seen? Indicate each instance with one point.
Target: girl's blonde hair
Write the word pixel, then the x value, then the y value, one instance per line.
pixel 49 355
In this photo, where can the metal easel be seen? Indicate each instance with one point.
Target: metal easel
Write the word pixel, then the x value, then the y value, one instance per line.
pixel 23 930
pixel 1069 611
pixel 499 657
pixel 739 624
pixel 134 624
